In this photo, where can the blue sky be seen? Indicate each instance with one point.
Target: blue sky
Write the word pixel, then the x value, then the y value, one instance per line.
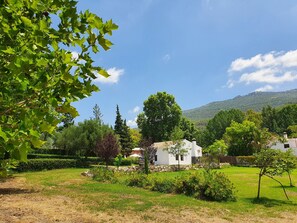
pixel 198 50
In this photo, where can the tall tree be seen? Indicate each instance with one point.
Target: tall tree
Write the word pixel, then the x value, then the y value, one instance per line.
pixel 161 115
pixel 254 117
pixel 118 126
pixel 189 129
pixel 97 113
pixel 126 140
pixel 216 127
pixel 39 74
pixel 286 116
pixel 269 119
pixel 245 138
pixel 136 137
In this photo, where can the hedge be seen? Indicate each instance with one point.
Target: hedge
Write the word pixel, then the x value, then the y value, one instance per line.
pixel 49 151
pixel 49 164
pixel 50 156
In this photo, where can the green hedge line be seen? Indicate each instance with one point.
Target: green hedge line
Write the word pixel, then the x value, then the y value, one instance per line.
pixel 49 151
pixel 49 164
pixel 50 156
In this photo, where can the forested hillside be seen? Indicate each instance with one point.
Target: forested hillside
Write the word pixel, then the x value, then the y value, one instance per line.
pixel 255 101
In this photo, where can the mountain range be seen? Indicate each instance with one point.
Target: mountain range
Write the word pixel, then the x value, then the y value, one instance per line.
pixel 255 101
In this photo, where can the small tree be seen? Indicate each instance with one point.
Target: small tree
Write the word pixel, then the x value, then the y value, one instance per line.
pixel 271 164
pixel 217 149
pixel 176 149
pixel 289 163
pixel 107 148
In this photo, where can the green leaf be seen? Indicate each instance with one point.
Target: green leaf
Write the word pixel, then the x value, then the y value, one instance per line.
pixel 37 143
pixel 104 73
pixel 45 127
pixel 27 21
pixel 9 50
pixel 3 135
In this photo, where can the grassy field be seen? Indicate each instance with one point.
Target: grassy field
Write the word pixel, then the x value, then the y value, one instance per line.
pixel 109 198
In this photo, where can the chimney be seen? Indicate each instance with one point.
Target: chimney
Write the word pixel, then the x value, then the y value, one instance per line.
pixel 285 136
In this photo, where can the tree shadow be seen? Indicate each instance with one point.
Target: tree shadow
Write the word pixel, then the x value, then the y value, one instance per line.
pixel 267 202
pixel 11 191
pixel 285 186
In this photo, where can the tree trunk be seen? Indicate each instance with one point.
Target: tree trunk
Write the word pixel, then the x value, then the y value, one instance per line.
pixel 291 184
pixel 280 184
pixel 259 184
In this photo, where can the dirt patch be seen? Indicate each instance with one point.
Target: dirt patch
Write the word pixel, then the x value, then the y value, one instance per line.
pixel 20 203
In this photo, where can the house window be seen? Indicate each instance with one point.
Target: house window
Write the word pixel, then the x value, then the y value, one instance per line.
pixel 182 157
pixel 156 158
pixel 286 145
pixel 176 157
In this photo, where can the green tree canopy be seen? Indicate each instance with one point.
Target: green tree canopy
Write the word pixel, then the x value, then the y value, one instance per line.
pixel 81 139
pixel 216 127
pixel 39 74
pixel 161 115
pixel 189 129
pixel 245 138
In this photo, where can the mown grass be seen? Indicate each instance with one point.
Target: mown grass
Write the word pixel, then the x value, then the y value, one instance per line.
pixel 109 197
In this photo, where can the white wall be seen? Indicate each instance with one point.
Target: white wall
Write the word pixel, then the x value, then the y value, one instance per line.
pixel 292 144
pixel 162 157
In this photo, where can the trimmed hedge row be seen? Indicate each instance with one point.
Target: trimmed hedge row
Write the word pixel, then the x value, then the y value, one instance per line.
pixel 49 151
pixel 50 156
pixel 238 160
pixel 49 164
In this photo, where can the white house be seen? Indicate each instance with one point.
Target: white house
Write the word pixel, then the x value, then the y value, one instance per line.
pixel 285 144
pixel 162 157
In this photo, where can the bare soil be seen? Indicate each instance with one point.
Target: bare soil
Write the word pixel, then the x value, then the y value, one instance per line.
pixel 20 203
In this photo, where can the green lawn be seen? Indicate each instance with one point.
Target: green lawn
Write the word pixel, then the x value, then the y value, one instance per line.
pixel 109 197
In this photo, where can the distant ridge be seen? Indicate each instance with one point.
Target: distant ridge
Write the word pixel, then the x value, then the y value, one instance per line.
pixel 255 101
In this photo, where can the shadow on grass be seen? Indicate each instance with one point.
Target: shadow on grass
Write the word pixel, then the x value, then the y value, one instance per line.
pixel 267 202
pixel 7 187
pixel 7 191
pixel 286 187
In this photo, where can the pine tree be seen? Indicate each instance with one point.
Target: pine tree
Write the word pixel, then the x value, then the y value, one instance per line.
pixel 97 113
pixel 122 130
pixel 118 126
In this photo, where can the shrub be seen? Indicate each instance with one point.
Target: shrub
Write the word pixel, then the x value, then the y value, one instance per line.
pixel 137 180
pixel 126 162
pixel 162 185
pixel 103 174
pixel 188 185
pixel 217 187
pixel 49 164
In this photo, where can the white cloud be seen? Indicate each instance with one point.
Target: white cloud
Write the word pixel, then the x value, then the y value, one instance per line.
pixel 132 123
pixel 271 68
pixel 136 109
pixel 265 88
pixel 166 58
pixel 114 77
